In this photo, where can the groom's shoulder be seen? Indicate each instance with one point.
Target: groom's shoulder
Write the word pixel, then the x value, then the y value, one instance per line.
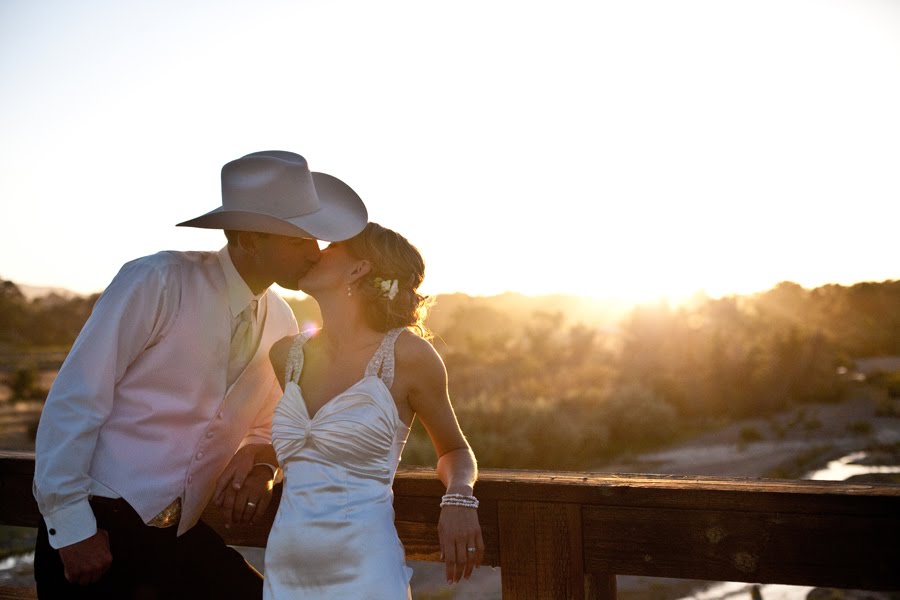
pixel 168 259
pixel 169 264
pixel 280 307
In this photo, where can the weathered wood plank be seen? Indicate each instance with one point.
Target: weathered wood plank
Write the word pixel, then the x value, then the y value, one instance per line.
pixel 826 550
pixel 8 593
pixel 17 504
pixel 669 491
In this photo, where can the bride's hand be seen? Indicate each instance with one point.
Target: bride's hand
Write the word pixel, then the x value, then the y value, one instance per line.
pixel 459 532
pixel 245 504
pixel 243 491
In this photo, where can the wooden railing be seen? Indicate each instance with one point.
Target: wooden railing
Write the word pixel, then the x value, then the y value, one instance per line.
pixel 567 535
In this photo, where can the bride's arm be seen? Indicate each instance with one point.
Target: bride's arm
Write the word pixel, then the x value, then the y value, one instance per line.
pixel 461 541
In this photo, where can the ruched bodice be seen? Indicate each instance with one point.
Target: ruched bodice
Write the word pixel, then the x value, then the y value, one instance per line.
pixel 357 429
pixel 334 535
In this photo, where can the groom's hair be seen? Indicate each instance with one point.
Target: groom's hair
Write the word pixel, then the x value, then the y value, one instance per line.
pixel 232 236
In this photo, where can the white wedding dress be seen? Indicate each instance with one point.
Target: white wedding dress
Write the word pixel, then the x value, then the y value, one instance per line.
pixel 334 534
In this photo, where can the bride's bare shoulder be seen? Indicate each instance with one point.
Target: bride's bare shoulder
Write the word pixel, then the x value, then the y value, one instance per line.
pixel 279 350
pixel 418 354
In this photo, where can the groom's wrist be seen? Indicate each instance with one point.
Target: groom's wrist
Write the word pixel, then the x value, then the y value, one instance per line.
pixel 273 468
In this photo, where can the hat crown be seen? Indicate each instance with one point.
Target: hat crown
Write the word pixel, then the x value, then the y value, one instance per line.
pixel 274 192
pixel 274 182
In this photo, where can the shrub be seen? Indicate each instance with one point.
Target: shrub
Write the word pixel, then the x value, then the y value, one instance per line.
pixel 750 434
pixel 24 384
pixel 860 427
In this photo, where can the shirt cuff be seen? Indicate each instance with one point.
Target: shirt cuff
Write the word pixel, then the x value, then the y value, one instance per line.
pixel 255 438
pixel 70 524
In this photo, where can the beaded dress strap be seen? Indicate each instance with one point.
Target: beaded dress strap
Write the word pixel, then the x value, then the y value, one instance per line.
pixel 294 365
pixel 382 363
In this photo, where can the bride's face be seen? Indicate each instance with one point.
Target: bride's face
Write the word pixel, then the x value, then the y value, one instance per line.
pixel 333 271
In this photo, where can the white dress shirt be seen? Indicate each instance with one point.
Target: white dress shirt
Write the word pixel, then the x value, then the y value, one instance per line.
pixel 141 408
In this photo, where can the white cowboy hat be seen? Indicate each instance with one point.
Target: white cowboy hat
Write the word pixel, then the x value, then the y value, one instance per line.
pixel 274 192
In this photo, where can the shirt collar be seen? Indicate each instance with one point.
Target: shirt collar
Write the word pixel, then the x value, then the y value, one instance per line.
pixel 239 294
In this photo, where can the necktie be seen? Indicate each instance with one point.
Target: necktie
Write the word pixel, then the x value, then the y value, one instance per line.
pixel 242 342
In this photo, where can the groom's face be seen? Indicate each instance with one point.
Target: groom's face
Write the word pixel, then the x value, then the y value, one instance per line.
pixel 287 259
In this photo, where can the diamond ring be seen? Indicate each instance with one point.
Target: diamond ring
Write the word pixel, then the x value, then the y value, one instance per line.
pixel 251 504
pixel 471 549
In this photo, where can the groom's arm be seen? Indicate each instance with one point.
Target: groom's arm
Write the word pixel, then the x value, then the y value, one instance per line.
pixel 126 317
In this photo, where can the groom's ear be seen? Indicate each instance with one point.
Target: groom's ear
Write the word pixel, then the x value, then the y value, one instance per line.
pixel 247 241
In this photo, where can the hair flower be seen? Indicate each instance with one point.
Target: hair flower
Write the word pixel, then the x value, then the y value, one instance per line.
pixel 388 287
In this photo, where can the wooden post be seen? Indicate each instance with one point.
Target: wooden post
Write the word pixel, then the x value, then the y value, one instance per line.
pixel 541 552
pixel 600 587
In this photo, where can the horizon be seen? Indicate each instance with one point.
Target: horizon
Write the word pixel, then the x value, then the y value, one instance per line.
pixel 31 291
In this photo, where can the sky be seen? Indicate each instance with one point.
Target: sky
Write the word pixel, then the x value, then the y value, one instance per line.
pixel 633 149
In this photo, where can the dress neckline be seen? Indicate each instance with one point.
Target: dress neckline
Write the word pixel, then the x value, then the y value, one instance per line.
pixel 377 363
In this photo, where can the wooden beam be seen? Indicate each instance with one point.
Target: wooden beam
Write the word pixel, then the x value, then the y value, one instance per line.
pixel 566 535
pixel 760 547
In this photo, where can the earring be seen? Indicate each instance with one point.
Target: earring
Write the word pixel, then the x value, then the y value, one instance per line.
pixel 349 291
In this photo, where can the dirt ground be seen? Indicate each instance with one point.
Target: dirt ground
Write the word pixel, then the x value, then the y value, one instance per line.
pixel 786 446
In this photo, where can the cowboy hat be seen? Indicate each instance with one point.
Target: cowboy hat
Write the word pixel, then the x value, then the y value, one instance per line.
pixel 275 192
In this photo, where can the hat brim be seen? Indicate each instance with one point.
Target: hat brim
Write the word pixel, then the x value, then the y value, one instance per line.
pixel 340 216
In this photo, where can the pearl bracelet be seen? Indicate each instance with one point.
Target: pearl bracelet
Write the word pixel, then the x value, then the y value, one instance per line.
pixel 459 500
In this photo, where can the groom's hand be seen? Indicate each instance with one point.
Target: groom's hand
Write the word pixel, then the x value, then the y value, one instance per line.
pixel 86 561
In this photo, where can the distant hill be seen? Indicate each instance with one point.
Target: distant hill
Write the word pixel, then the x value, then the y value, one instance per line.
pixel 519 307
pixel 575 309
pixel 512 307
pixel 38 291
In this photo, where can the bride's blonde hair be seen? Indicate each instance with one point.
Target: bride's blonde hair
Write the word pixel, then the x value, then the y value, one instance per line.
pixel 391 257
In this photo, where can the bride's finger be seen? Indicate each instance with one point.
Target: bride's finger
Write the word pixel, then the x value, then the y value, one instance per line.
pixel 261 505
pixel 240 505
pixel 471 557
pixel 449 554
pixel 249 511
pixel 479 556
pixel 462 559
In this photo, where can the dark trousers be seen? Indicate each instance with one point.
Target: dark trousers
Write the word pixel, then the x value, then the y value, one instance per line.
pixel 149 563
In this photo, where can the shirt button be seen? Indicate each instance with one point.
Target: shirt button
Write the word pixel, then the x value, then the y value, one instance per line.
pixel 209 434
pixel 199 455
pixel 221 415
pixel 190 478
pixel 52 531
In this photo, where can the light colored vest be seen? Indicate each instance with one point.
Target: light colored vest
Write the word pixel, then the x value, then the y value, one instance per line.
pixel 174 434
